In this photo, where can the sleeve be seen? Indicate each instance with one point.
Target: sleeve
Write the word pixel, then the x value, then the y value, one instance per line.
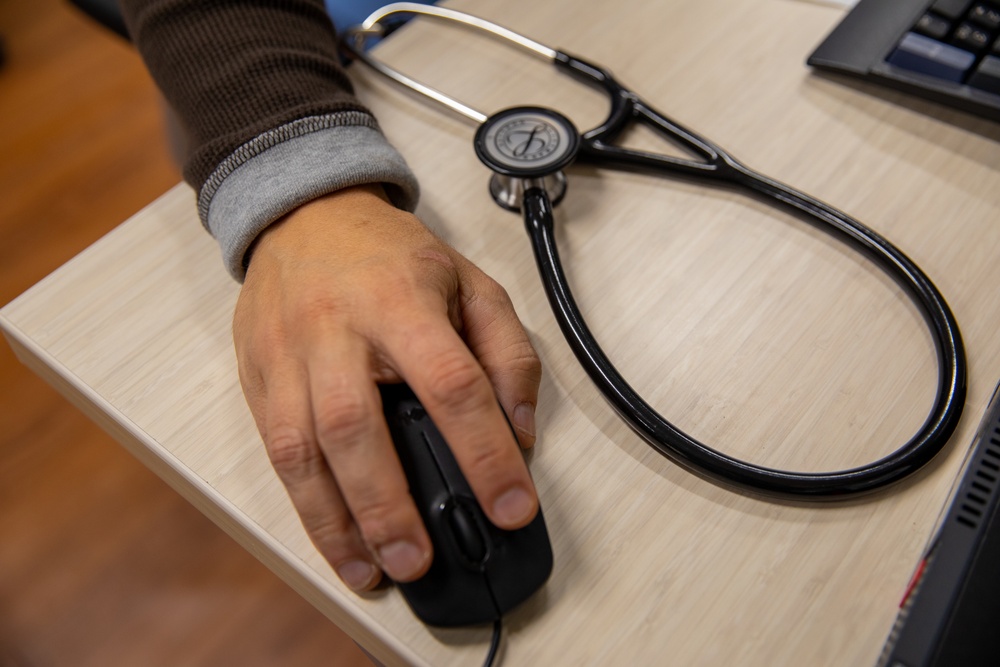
pixel 267 113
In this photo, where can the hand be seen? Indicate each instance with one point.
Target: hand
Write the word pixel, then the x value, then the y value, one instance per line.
pixel 346 292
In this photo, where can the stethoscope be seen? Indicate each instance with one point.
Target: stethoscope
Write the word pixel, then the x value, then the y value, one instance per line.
pixel 528 147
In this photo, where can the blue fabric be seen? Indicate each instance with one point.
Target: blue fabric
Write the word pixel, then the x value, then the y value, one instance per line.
pixel 348 13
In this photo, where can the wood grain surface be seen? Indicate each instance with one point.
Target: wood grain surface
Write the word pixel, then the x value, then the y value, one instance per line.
pixel 749 328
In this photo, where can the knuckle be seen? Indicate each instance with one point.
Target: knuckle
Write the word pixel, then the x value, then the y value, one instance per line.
pixel 433 257
pixel 378 518
pixel 457 382
pixel 332 532
pixel 320 306
pixel 492 294
pixel 484 462
pixel 256 338
pixel 342 417
pixel 496 293
pixel 436 270
pixel 393 293
pixel 525 360
pixel 293 454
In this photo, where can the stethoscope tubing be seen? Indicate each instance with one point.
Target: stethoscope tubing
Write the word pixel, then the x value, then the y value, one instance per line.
pixel 699 458
pixel 715 165
pixel 719 166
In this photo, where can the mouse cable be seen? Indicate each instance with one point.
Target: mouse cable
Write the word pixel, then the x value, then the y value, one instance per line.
pixel 494 643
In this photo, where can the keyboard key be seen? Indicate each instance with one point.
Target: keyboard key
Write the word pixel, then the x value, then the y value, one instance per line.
pixel 986 16
pixel 931 57
pixel 970 37
pixel 933 25
pixel 953 9
pixel 928 61
pixel 987 75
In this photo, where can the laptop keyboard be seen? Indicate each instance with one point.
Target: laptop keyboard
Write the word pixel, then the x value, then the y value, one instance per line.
pixel 947 51
pixel 957 41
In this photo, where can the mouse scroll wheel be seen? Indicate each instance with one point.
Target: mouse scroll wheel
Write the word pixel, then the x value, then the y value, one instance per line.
pixel 468 534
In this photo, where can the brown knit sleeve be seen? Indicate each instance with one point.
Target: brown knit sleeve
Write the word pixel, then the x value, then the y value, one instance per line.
pixel 233 69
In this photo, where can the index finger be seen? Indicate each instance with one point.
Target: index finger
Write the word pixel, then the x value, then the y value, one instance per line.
pixel 456 392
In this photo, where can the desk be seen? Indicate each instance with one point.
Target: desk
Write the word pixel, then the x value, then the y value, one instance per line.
pixel 746 327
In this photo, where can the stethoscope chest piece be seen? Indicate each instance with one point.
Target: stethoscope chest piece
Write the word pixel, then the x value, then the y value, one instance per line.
pixel 526 147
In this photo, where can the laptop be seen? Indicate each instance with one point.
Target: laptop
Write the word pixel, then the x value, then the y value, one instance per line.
pixel 951 611
pixel 947 51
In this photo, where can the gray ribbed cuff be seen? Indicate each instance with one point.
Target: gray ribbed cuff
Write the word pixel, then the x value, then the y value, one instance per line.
pixel 286 167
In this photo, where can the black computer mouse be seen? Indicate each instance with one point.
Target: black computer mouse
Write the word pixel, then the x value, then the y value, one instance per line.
pixel 479 572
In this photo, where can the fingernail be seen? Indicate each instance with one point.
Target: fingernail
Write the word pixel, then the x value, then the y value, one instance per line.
pixel 402 560
pixel 524 418
pixel 513 507
pixel 357 574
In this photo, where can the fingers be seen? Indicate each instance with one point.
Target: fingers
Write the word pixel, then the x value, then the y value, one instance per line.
pixel 300 464
pixel 322 427
pixel 457 393
pixel 320 318
pixel 355 441
pixel 497 339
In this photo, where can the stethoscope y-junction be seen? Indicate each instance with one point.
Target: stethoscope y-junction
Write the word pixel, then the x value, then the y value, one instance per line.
pixel 528 147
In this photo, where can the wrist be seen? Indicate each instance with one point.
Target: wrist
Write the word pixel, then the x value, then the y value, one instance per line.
pixel 332 217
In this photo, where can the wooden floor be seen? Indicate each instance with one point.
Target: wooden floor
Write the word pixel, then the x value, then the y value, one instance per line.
pixel 100 563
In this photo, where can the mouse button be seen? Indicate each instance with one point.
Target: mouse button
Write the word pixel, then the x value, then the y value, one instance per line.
pixel 468 533
pixel 520 563
pixel 423 478
pixel 446 462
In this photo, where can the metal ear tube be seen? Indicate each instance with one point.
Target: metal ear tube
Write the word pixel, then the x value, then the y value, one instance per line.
pixel 527 148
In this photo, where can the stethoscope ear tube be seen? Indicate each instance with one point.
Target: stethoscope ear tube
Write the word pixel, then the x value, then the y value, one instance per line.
pixel 703 460
pixel 526 147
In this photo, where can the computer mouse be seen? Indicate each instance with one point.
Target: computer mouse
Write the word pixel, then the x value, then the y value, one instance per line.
pixel 479 572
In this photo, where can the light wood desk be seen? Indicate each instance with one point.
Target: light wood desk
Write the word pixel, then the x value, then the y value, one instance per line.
pixel 748 328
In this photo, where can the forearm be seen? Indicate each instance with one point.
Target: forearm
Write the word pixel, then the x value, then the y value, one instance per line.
pixel 269 117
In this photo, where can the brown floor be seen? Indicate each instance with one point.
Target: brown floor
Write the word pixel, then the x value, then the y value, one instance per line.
pixel 100 563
